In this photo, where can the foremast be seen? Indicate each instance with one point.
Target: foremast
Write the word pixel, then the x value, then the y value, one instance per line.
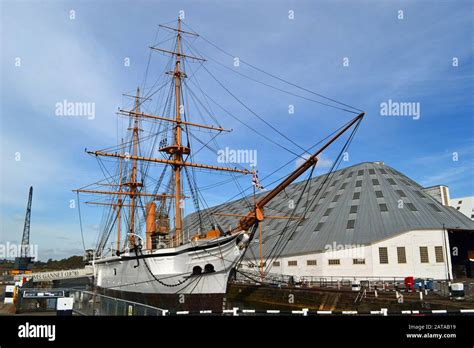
pixel 133 184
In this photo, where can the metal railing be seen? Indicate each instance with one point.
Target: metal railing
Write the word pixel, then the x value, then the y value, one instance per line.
pixel 336 282
pixel 90 303
pixel 244 276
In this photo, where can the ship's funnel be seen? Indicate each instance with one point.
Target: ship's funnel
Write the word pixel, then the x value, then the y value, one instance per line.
pixel 150 223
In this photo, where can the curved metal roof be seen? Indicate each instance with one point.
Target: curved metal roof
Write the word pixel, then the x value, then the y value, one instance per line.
pixel 358 205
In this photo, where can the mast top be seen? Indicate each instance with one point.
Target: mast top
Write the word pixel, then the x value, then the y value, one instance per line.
pixel 179 30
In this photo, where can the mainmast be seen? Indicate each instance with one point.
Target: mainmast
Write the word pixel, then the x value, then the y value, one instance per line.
pixel 178 156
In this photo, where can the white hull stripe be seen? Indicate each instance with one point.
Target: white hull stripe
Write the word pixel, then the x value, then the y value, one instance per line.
pixel 237 311
pixel 188 250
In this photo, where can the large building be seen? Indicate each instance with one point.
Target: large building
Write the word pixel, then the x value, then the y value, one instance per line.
pixel 367 220
pixel 464 205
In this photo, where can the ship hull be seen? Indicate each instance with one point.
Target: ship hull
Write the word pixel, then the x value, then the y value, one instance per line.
pixel 190 276
pixel 172 302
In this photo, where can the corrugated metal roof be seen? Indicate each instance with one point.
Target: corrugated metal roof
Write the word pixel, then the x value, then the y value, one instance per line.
pixel 401 207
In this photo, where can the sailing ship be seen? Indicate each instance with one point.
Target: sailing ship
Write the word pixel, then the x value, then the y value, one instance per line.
pixel 168 267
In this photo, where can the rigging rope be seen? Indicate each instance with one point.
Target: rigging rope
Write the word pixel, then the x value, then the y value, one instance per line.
pixel 328 176
pixel 271 86
pixel 274 76
pixel 80 221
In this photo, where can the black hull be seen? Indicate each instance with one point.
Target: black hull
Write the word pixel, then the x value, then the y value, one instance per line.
pixel 171 302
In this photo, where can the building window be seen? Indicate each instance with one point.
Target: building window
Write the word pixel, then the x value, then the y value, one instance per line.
pixel 383 207
pixel 334 261
pixel 383 255
pixel 460 202
pixel 356 195
pixel 371 171
pixel 350 174
pixel 328 211
pixel 311 262
pixel 336 197
pixel 316 206
pixel 325 194
pixel 411 206
pixel 319 226
pixel 360 172
pixel 401 255
pixel 276 263
pixel 353 209
pixel 350 224
pixel 358 261
pixel 401 193
pixel 419 193
pixel 375 182
pixel 293 263
pixel 458 208
pixel 391 181
pixel 383 171
pixel 435 207
pixel 439 254
pixel 358 183
pixel 424 255
pixel 343 186
pixel 378 194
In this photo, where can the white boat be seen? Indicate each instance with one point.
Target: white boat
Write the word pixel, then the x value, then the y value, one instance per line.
pixel 193 268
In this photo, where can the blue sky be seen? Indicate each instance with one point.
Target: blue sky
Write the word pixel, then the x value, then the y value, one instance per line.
pixel 82 59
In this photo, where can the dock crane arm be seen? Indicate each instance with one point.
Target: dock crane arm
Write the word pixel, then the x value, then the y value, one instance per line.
pixel 25 241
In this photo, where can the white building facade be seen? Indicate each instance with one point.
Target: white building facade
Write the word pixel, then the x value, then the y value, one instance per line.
pixel 464 205
pixel 419 254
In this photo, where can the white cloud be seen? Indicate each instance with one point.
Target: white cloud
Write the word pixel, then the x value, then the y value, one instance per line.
pixel 323 162
pixel 446 177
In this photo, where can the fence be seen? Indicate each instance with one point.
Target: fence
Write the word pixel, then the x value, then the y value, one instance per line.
pixel 337 282
pixel 90 303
